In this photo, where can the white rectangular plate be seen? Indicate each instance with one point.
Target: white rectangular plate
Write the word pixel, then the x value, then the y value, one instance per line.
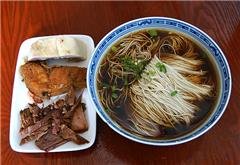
pixel 21 98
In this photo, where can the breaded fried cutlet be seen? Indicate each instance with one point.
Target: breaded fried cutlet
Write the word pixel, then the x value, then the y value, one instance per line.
pixel 45 81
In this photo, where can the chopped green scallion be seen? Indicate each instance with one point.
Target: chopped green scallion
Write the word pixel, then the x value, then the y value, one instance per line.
pixel 174 93
pixel 161 67
pixel 114 49
pixel 134 66
pixel 152 72
pixel 152 32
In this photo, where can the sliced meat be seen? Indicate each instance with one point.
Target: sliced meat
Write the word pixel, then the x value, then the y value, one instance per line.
pixel 35 135
pixel 56 122
pixel 50 141
pixel 32 128
pixel 69 114
pixel 51 126
pixel 79 122
pixel 27 139
pixel 47 109
pixel 35 110
pixel 26 118
pixel 69 134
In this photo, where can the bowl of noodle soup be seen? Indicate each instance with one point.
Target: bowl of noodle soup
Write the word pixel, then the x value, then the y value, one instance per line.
pixel 159 81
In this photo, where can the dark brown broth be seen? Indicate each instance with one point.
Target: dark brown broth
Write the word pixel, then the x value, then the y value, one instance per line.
pixel 206 106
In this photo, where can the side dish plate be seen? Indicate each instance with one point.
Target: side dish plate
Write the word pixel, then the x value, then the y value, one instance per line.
pixel 21 98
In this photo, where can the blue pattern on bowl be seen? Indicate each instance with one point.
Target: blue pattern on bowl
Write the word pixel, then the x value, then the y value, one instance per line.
pixel 164 23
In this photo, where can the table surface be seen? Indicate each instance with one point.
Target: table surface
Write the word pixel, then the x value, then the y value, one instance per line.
pixel 221 20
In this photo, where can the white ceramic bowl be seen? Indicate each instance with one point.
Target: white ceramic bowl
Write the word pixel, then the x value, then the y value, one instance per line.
pixel 186 29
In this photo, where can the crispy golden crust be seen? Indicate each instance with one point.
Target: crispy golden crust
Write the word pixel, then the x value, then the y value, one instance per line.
pixel 46 82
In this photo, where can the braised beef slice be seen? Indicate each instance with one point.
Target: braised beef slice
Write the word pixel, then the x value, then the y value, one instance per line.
pixel 69 134
pixel 30 129
pixel 79 122
pixel 27 139
pixel 36 112
pixel 47 109
pixel 35 135
pixel 50 141
pixel 34 109
pixel 26 118
pixel 69 113
pixel 56 116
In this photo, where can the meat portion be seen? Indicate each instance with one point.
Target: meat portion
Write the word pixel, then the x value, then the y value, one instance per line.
pixel 69 134
pixel 75 104
pixel 34 122
pixel 44 82
pixel 36 134
pixel 26 118
pixel 50 141
pixel 35 110
pixel 79 122
pixel 56 116
pixel 53 125
pixel 32 128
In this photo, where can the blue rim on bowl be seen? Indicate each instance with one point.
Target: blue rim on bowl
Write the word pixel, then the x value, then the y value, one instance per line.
pixel 163 23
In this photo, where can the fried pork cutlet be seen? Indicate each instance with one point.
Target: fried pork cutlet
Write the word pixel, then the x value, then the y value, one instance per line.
pixel 45 82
